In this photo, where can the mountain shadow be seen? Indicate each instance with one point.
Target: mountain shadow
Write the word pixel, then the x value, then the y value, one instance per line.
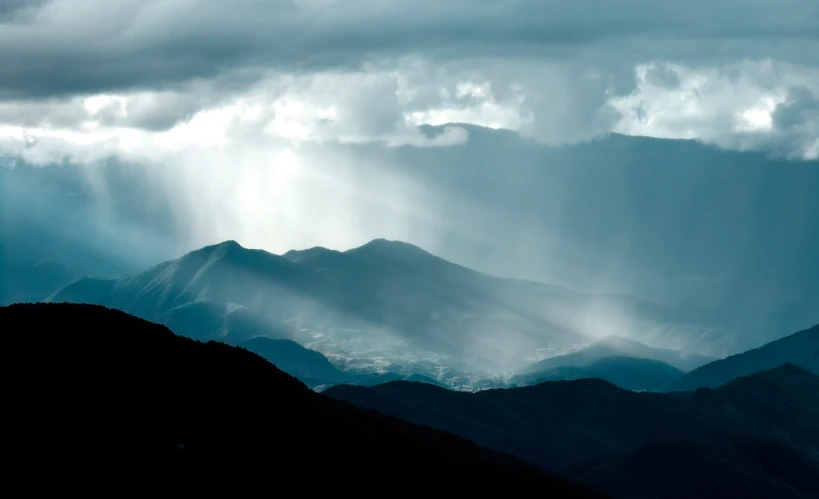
pixel 800 348
pixel 97 391
pixel 560 424
pixel 722 465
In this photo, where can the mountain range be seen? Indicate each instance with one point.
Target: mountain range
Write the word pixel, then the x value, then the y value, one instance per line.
pixel 103 392
pixel 733 440
pixel 386 299
pixel 801 348
pixel 719 234
pixel 385 307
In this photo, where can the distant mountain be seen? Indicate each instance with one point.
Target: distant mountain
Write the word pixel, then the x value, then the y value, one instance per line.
pixel 565 423
pixel 718 233
pixel 205 414
pixel 611 346
pixel 386 299
pixel 801 348
pixel 309 366
pixel 389 302
pixel 626 372
pixel 201 293
pixel 35 282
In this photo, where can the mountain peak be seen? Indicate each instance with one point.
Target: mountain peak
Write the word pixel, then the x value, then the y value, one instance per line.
pixel 396 248
pixel 229 244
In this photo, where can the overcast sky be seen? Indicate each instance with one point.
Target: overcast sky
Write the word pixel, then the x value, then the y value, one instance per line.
pixel 244 103
pixel 743 73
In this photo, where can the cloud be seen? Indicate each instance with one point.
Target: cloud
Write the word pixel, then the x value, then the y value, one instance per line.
pixel 65 47
pixel 763 105
pixel 171 72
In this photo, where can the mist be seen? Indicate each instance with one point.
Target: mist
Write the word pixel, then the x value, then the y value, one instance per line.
pixel 715 234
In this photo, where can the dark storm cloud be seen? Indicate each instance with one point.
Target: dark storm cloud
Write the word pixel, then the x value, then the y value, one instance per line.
pixel 65 47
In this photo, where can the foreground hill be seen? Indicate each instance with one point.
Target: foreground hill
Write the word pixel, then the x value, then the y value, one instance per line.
pixel 801 348
pixel 567 423
pixel 101 390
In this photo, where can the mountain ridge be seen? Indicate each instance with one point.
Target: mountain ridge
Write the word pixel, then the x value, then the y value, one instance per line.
pixel 132 391
pixel 800 348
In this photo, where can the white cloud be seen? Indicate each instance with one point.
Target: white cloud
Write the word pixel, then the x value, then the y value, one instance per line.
pixel 186 73
pixel 732 106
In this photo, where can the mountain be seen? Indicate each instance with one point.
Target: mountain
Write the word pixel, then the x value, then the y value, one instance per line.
pixel 565 423
pixel 734 464
pixel 611 346
pixel 202 292
pixel 626 372
pixel 718 233
pixel 35 282
pixel 801 348
pixel 308 366
pixel 384 300
pixel 156 408
pixel 724 465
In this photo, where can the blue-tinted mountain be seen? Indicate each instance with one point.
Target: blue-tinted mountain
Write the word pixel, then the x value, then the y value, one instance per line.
pixel 719 233
pixel 308 366
pixel 611 346
pixel 801 349
pixel 393 293
pixel 98 392
pixel 562 424
pixel 32 283
pixel 626 372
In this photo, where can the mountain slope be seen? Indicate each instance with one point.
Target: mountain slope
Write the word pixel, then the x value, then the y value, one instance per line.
pixel 800 348
pixel 32 283
pixel 731 465
pixel 625 372
pixel 559 423
pixel 309 366
pixel 126 391
pixel 611 346
pixel 397 300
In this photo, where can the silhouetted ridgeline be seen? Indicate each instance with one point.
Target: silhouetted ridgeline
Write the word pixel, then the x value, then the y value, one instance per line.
pixel 599 433
pixel 93 391
pixel 800 348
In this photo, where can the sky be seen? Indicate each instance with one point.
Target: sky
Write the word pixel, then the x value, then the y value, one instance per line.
pixel 148 78
pixel 276 123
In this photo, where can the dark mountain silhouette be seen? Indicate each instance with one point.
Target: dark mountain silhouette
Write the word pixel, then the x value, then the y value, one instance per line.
pixel 801 348
pixel 101 391
pixel 611 346
pixel 577 425
pixel 626 372
pixel 722 465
